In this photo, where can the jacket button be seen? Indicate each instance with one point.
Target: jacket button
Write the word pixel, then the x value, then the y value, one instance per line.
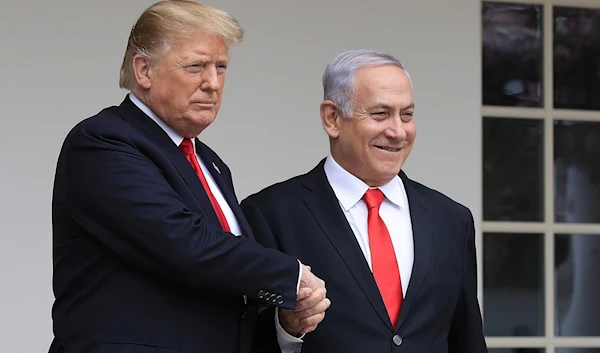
pixel 397 340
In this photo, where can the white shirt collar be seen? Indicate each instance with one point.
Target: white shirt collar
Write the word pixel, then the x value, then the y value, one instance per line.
pixel 349 189
pixel 177 139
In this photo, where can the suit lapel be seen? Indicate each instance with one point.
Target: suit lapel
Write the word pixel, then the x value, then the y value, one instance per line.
pixel 206 156
pixel 138 119
pixel 325 208
pixel 421 219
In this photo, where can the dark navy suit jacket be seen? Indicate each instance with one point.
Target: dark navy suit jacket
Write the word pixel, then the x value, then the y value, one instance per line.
pixel 141 264
pixel 302 217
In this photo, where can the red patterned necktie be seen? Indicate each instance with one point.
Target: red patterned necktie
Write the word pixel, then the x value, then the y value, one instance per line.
pixel 383 257
pixel 188 150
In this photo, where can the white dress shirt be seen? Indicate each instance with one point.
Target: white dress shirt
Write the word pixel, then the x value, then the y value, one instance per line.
pixel 394 210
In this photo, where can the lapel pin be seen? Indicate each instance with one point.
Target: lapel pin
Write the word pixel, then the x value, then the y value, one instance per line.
pixel 216 168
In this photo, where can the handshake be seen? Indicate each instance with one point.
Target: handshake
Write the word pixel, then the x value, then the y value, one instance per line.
pixel 310 306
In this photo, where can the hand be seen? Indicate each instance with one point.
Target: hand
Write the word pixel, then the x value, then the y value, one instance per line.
pixel 310 306
pixel 310 280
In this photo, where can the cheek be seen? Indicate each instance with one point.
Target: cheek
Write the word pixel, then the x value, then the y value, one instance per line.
pixel 411 132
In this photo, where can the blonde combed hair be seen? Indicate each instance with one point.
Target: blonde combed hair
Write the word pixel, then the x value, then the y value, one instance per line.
pixel 166 21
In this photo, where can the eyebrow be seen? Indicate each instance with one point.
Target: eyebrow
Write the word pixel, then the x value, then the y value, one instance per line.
pixel 410 106
pixel 389 107
pixel 199 56
pixel 381 106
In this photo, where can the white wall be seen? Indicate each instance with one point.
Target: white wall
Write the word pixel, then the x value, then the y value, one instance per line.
pixel 59 63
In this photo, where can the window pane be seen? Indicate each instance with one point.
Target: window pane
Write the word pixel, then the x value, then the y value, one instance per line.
pixel 576 53
pixel 512 54
pixel 516 350
pixel 513 181
pixel 513 284
pixel 577 286
pixel 577 171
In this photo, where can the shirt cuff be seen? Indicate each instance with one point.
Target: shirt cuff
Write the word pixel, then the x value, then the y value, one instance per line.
pixel 287 342
pixel 299 277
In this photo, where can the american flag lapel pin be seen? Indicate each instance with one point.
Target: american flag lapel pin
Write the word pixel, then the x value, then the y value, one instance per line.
pixel 216 168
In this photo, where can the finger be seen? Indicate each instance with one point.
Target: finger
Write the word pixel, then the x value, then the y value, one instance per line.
pixel 304 293
pixel 315 298
pixel 321 307
pixel 310 323
pixel 307 330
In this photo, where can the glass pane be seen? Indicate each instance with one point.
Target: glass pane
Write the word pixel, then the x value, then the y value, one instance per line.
pixel 513 180
pixel 576 53
pixel 577 171
pixel 516 350
pixel 577 286
pixel 513 284
pixel 512 54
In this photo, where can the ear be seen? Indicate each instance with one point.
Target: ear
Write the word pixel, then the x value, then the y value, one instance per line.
pixel 330 118
pixel 142 69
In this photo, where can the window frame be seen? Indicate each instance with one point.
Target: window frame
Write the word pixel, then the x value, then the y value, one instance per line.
pixel 548 227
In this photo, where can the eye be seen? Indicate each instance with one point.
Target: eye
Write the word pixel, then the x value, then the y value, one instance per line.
pixel 195 67
pixel 379 114
pixel 407 116
pixel 221 67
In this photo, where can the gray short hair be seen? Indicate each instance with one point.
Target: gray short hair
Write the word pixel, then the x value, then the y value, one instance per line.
pixel 338 79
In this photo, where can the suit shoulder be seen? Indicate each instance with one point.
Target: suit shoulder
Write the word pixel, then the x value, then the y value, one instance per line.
pixel 107 120
pixel 441 200
pixel 279 192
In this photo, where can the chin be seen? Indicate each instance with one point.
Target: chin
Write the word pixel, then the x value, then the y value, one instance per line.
pixel 203 119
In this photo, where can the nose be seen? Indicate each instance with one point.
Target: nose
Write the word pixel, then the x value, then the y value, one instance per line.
pixel 396 129
pixel 210 79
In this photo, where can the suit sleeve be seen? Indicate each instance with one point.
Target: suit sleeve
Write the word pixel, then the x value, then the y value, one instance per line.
pixel 265 337
pixel 121 197
pixel 466 332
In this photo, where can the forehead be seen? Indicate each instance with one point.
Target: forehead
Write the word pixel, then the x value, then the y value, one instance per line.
pixel 384 82
pixel 200 44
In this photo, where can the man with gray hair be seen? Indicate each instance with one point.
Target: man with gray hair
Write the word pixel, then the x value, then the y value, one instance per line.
pixel 152 253
pixel 398 257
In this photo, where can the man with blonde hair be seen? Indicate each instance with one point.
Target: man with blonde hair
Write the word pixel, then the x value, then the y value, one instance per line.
pixel 152 253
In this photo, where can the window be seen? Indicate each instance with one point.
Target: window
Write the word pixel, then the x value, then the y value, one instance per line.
pixel 541 176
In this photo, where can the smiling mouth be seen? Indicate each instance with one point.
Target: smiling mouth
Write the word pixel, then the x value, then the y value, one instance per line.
pixel 389 149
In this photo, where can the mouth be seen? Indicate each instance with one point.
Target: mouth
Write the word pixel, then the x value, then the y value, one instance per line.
pixel 389 149
pixel 206 103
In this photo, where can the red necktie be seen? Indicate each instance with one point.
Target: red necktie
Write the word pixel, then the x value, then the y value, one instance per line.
pixel 383 257
pixel 188 150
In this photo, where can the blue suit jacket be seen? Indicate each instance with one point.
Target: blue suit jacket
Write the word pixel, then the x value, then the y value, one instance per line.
pixel 141 264
pixel 440 314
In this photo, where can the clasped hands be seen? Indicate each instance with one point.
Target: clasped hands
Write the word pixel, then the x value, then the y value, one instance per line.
pixel 310 306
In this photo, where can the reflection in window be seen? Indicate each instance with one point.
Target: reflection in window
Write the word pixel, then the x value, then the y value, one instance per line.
pixel 577 171
pixel 577 286
pixel 513 183
pixel 513 284
pixel 576 58
pixel 512 54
